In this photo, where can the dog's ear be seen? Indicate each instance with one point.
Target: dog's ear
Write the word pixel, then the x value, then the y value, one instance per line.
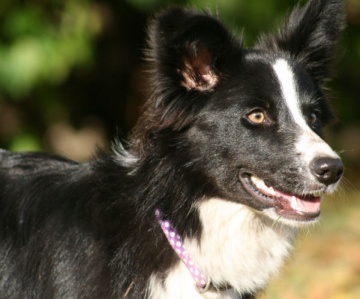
pixel 188 48
pixel 310 34
pixel 188 53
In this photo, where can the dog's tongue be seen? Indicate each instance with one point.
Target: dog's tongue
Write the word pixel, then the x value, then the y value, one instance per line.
pixel 305 205
pixel 309 206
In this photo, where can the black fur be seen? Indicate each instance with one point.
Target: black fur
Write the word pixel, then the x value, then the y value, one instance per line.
pixel 88 230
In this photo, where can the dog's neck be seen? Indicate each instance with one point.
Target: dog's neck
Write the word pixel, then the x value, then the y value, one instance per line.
pixel 202 283
pixel 238 247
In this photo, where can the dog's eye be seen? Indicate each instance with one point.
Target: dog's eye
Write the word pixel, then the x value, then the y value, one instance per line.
pixel 257 117
pixel 313 118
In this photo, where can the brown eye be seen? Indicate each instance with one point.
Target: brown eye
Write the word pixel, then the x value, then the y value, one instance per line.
pixel 313 118
pixel 257 117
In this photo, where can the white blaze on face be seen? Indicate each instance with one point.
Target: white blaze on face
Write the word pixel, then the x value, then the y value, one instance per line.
pixel 309 144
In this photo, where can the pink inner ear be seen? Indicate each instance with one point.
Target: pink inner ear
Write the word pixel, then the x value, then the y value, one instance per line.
pixel 197 71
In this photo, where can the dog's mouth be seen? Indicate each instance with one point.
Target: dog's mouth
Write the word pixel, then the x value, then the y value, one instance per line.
pixel 291 206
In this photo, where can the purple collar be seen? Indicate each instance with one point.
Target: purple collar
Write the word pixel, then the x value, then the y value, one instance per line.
pixel 202 283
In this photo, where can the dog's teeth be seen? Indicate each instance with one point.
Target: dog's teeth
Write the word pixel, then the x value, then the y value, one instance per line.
pixel 294 204
pixel 261 185
pixel 271 191
pixel 255 179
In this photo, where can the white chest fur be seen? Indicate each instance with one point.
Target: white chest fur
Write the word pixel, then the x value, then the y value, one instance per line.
pixel 238 246
pixel 179 284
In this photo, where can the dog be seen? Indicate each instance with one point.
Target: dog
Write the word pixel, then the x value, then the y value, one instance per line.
pixel 226 164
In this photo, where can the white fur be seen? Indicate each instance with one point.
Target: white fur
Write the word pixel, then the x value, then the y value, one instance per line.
pixel 310 145
pixel 123 157
pixel 238 246
pixel 289 92
pixel 179 284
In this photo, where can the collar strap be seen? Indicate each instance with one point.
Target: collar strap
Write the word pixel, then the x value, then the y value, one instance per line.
pixel 202 283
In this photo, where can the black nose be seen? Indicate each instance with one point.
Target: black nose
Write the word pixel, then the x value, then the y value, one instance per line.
pixel 327 170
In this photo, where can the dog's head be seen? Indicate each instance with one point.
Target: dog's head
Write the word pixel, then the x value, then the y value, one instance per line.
pixel 250 120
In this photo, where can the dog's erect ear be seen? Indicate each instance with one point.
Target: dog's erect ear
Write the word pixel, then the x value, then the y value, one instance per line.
pixel 310 34
pixel 198 71
pixel 188 48
pixel 189 52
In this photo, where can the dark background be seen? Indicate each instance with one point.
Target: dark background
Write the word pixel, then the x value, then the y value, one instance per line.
pixel 72 77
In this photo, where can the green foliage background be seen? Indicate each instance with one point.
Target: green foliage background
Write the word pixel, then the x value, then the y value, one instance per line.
pixel 66 61
pixel 71 76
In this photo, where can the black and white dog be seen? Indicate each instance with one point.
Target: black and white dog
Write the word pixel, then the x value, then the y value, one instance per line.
pixel 225 165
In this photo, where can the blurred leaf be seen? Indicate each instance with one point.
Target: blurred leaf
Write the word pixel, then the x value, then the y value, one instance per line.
pixel 38 49
pixel 20 66
pixel 25 20
pixel 25 142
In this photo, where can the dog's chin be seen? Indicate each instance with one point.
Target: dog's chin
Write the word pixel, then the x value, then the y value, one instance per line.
pixel 293 209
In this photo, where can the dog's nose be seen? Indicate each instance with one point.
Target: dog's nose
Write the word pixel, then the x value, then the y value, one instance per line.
pixel 327 170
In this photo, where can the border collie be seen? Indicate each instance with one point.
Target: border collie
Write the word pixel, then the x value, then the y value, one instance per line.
pixel 225 165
